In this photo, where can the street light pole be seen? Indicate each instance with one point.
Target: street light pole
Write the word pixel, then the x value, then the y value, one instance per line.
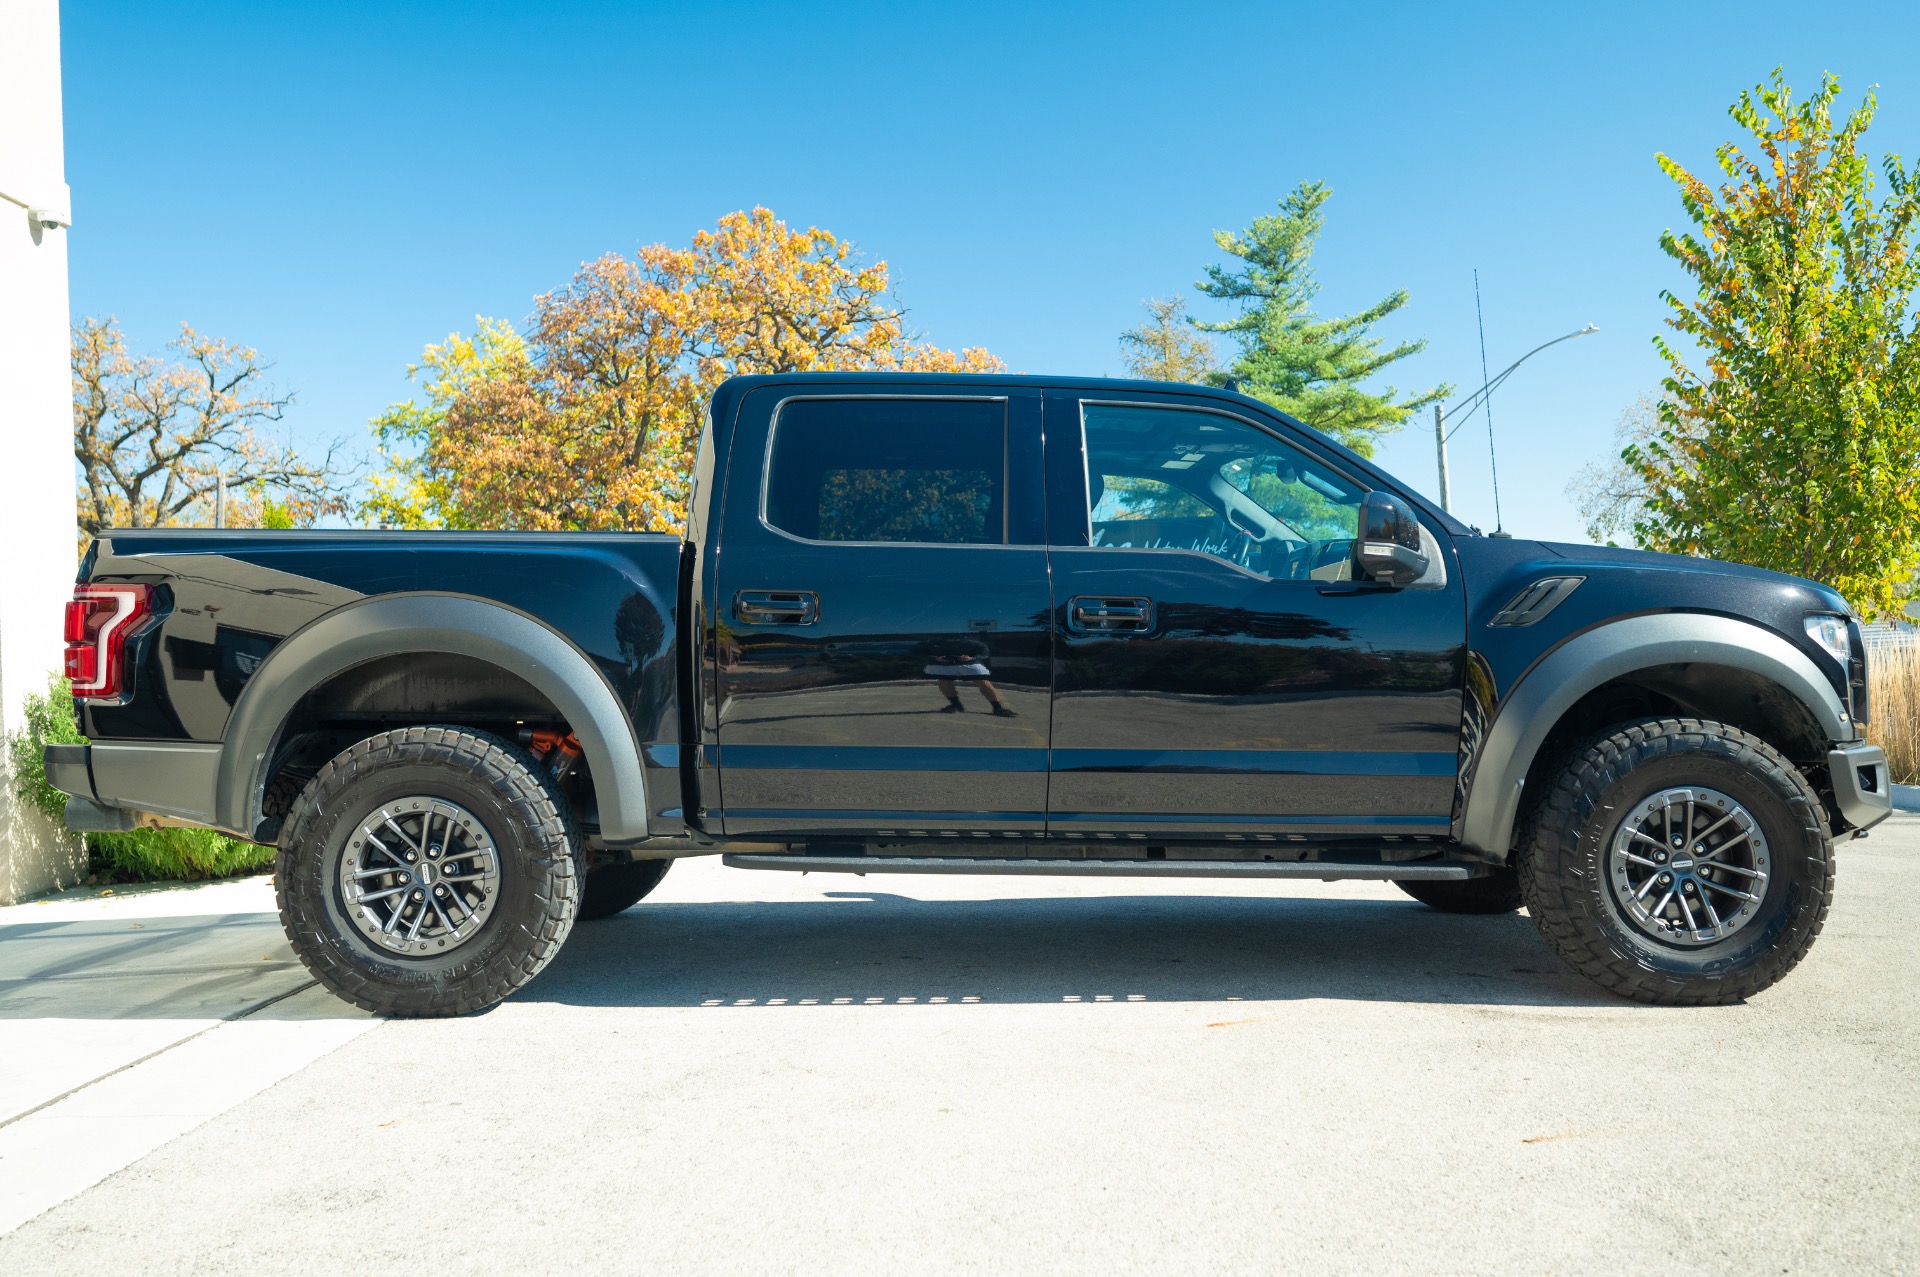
pixel 1474 402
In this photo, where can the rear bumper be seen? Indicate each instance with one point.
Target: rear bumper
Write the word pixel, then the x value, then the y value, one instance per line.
pixel 1862 785
pixel 67 770
pixel 177 779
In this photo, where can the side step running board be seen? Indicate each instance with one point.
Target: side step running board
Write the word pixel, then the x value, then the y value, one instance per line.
pixel 1325 870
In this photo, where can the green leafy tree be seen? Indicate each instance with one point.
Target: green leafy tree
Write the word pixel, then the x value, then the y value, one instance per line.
pixel 1794 442
pixel 1310 367
pixel 1166 347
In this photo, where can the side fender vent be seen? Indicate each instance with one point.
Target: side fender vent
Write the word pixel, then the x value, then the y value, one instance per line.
pixel 1532 604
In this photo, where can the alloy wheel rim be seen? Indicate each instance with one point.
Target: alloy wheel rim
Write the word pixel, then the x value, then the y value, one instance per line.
pixel 420 876
pixel 1689 865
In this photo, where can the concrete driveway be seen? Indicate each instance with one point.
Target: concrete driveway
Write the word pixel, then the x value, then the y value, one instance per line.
pixel 764 1072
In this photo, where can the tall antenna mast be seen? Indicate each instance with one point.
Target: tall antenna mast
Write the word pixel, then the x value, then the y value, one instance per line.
pixel 1480 316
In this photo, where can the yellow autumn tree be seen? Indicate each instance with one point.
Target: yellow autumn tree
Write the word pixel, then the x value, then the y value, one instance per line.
pixel 590 419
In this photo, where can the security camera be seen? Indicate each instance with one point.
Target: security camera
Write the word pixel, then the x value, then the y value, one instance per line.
pixel 53 217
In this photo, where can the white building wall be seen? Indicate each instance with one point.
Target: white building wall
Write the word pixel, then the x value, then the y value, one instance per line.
pixel 37 527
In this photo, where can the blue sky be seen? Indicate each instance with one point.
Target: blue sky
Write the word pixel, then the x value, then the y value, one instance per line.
pixel 338 185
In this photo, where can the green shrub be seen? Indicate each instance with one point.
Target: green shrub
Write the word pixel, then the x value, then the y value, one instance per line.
pixel 153 855
pixel 143 855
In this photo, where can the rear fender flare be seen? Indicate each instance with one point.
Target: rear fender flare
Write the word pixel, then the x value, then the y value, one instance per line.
pixel 1529 712
pixel 395 624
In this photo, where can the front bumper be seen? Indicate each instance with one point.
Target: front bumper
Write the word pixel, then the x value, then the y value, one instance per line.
pixel 1862 785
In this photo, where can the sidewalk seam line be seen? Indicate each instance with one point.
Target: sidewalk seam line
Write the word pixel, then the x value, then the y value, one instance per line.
pixel 241 1014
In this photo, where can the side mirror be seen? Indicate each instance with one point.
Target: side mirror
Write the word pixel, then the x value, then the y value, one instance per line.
pixel 1387 547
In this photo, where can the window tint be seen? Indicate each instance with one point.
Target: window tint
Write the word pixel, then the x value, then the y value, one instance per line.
pixel 925 470
pixel 1163 478
pixel 1126 498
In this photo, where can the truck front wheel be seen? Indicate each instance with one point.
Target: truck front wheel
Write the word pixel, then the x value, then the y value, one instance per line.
pixel 428 871
pixel 1679 862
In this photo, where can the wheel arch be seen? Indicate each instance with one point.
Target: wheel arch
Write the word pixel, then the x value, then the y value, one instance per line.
pixel 1701 665
pixel 442 624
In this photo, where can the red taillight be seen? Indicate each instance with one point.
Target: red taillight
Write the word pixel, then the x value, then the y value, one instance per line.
pixel 98 622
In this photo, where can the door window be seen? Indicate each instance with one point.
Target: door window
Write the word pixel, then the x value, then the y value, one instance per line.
pixel 1166 478
pixel 931 471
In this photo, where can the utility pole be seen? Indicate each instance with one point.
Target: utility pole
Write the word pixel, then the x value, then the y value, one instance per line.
pixel 220 499
pixel 1440 446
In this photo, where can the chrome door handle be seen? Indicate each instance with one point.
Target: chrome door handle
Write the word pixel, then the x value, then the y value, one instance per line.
pixel 1090 614
pixel 776 607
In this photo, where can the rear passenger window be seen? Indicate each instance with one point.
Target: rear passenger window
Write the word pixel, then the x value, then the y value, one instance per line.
pixel 921 470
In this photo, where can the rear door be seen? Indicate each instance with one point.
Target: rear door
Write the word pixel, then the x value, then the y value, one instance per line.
pixel 1219 672
pixel 883 644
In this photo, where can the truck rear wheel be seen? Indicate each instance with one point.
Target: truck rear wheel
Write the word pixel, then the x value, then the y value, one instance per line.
pixel 428 871
pixel 1679 862
pixel 1497 892
pixel 616 888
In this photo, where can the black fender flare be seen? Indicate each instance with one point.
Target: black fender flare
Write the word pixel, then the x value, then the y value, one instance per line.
pixel 1547 691
pixel 394 624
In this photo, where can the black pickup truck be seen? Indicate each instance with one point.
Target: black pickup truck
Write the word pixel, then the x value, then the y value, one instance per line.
pixel 965 624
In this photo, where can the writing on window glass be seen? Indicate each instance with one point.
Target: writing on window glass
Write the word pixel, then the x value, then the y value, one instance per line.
pixel 1161 478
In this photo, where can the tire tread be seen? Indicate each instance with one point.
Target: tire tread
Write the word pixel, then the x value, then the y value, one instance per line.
pixel 1549 851
pixel 536 805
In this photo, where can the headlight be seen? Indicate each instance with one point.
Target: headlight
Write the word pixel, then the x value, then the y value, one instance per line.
pixel 1830 632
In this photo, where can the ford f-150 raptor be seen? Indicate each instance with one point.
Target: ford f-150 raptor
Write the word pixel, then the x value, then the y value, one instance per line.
pixel 982 624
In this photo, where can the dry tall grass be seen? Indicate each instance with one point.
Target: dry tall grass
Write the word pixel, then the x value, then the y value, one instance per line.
pixel 1893 677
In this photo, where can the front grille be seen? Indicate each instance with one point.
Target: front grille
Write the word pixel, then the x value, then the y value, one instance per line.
pixel 1857 698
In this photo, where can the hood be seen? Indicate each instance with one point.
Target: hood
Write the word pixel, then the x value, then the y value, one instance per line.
pixel 1603 556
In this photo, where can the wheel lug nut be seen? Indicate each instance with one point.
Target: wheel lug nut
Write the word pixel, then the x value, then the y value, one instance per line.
pixel 1665 879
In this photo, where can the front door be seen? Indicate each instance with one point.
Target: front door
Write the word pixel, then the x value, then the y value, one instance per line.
pixel 883 640
pixel 1220 673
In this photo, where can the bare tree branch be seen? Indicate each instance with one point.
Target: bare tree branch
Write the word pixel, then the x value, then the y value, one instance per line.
pixel 153 439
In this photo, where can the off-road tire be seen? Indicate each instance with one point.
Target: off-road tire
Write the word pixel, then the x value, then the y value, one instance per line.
pixel 615 888
pixel 1563 849
pixel 533 833
pixel 1497 892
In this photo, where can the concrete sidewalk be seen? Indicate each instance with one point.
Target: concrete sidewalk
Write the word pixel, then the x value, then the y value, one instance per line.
pixel 129 1016
pixel 759 1072
pixel 92 980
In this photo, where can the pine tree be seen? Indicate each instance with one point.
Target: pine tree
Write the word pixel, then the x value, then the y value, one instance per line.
pixel 1165 347
pixel 1309 367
